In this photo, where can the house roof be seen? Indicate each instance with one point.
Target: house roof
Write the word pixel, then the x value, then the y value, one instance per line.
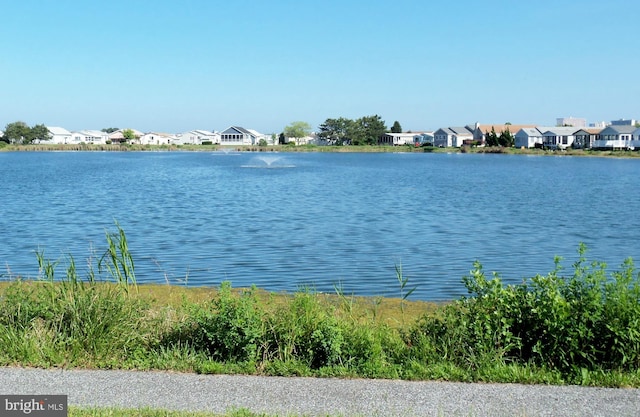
pixel 559 131
pixel 55 130
pixel 461 130
pixel 530 131
pixel 624 129
pixel 499 128
pixel 237 129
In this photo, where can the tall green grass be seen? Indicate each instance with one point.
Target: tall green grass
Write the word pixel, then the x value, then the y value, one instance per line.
pixel 580 326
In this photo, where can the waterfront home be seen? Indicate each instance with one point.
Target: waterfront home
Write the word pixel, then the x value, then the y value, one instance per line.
pixel 197 137
pixel 423 138
pixel 617 137
pixel 558 137
pixel 480 132
pixel 59 135
pixel 93 137
pixel 453 136
pixel 586 137
pixel 236 135
pixel 528 137
pixel 118 136
pixel 156 138
pixel 397 139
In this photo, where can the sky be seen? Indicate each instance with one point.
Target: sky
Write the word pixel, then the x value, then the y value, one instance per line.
pixel 174 66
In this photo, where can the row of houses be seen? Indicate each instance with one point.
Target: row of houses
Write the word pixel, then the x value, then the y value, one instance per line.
pixel 234 135
pixel 525 136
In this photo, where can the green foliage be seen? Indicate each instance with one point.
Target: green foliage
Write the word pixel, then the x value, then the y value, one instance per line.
pixel 118 260
pixel 229 328
pixel 21 133
pixel 366 130
pixel 396 128
pixel 262 142
pixel 297 130
pixel 304 330
pixel 69 320
pixel 589 320
pixel 128 134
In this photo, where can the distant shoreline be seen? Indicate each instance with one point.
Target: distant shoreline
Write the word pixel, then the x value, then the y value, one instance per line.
pixel 315 148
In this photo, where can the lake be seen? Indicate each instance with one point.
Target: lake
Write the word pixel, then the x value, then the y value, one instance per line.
pixel 285 221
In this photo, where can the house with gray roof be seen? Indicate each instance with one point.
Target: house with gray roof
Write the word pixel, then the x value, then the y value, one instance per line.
pixel 558 137
pixel 618 137
pixel 236 135
pixel 453 136
pixel 528 137
pixel 95 137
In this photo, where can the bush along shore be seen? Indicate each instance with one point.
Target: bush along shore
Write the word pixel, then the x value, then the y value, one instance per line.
pixel 577 327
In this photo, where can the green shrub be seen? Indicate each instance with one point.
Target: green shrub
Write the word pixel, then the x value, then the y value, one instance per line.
pixel 305 330
pixel 230 327
pixel 588 320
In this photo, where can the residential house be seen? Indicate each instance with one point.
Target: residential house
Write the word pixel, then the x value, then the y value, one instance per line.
pixel 617 137
pixel 236 135
pixel 118 136
pixel 636 136
pixel 423 138
pixel 197 137
pixel 453 136
pixel 585 138
pixel 59 135
pixel 528 137
pixel 397 139
pixel 156 138
pixel 93 137
pixel 480 131
pixel 560 137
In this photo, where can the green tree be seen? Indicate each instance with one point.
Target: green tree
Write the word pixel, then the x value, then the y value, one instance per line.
pixel 506 139
pixel 335 131
pixel 39 133
pixel 282 139
pixel 109 129
pixel 297 130
pixel 17 132
pixel 491 138
pixel 396 128
pixel 369 130
pixel 128 135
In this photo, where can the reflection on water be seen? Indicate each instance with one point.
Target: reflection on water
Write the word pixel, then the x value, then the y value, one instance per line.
pixel 332 218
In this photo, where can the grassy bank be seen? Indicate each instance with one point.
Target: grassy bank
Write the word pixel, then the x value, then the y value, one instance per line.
pixel 565 327
pixel 314 148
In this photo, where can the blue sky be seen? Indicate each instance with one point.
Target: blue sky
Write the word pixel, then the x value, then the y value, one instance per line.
pixel 172 66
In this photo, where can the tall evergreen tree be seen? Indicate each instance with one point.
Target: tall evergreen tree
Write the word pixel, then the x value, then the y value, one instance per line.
pixel 396 128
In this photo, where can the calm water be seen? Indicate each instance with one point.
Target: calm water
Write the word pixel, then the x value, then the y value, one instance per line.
pixel 319 219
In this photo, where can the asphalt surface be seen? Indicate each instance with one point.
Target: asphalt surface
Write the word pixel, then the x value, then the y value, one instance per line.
pixel 315 396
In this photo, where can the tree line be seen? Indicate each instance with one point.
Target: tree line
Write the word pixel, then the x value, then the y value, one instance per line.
pixel 21 133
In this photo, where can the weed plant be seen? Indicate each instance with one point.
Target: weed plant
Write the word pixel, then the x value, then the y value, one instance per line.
pixel 577 324
pixel 582 327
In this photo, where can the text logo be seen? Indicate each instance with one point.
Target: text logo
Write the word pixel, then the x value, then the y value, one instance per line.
pixel 33 405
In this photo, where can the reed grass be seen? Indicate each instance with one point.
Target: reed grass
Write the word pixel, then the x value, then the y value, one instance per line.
pixel 580 328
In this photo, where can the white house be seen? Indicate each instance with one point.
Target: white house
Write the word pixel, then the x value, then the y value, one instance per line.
pixel 528 137
pixel 154 138
pixel 94 137
pixel 397 139
pixel 59 135
pixel 236 135
pixel 453 136
pixel 618 137
pixel 197 137
pixel 558 137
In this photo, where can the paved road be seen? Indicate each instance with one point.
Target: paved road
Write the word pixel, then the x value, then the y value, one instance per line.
pixel 312 396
